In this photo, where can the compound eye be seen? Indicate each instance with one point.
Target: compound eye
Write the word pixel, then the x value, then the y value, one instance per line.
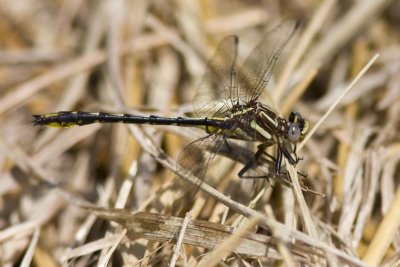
pixel 294 132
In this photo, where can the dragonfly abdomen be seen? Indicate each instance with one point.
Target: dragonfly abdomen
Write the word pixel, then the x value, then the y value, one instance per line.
pixel 79 118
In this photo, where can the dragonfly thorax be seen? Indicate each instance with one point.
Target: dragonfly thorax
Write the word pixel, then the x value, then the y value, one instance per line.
pixel 268 126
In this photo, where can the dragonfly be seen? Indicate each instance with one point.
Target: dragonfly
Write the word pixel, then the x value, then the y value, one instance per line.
pixel 226 107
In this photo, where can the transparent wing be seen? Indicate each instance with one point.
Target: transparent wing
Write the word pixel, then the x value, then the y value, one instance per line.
pixel 217 90
pixel 194 159
pixel 256 71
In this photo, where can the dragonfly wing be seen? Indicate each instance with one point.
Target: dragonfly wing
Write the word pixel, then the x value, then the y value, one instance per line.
pixel 193 161
pixel 217 86
pixel 257 69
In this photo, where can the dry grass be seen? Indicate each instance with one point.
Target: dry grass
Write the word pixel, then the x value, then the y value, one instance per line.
pixel 104 195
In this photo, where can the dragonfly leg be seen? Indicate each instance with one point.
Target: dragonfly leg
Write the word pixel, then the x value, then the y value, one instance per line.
pixel 294 152
pixel 286 153
pixel 252 162
pixel 291 160
pixel 272 160
pixel 278 162
pixel 269 159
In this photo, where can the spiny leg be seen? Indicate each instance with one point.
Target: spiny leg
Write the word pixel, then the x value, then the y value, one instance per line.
pixel 256 160
pixel 286 153
pixel 282 149
pixel 292 160
pixel 253 161
pixel 295 153
pixel 278 162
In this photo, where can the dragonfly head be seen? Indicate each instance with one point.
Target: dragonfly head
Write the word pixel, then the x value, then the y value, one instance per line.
pixel 297 127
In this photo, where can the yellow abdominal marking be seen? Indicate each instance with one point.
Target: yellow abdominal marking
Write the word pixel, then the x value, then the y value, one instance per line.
pixel 61 125
pixel 211 129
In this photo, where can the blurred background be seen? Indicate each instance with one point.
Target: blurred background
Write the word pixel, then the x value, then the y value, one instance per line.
pixel 147 57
